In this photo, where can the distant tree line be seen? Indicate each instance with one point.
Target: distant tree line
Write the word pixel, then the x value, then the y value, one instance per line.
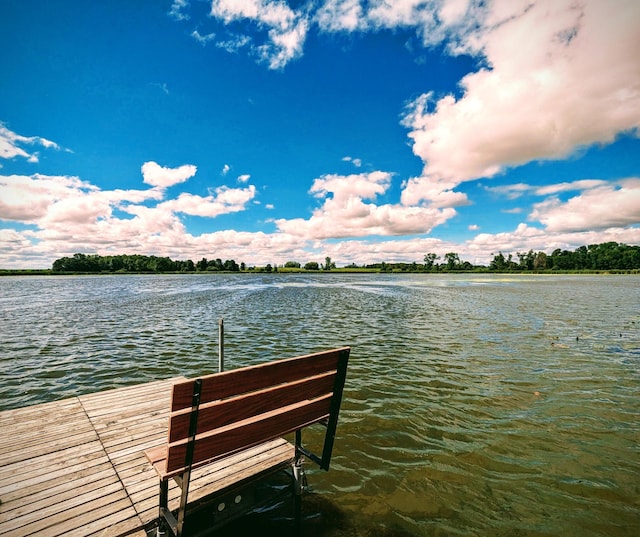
pixel 605 256
pixel 595 257
pixel 121 263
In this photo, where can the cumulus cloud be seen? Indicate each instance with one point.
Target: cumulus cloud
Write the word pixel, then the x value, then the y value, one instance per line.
pixel 524 238
pixel 538 98
pixel 223 201
pixel 596 205
pixel 603 207
pixel 29 198
pixel 346 211
pixel 70 215
pixel 155 175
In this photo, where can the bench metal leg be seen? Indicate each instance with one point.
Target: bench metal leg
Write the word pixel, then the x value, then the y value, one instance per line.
pixel 299 480
pixel 167 522
pixel 164 496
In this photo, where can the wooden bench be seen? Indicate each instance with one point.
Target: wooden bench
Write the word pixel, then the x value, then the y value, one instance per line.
pixel 234 421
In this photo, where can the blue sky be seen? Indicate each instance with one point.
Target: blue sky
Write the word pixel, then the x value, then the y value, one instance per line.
pixel 269 131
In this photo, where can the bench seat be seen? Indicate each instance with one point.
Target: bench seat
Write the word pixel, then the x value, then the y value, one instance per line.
pixel 250 463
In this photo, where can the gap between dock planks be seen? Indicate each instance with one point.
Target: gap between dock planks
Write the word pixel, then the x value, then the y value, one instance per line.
pixel 67 467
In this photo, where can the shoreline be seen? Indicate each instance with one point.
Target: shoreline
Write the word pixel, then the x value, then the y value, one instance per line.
pixel 49 272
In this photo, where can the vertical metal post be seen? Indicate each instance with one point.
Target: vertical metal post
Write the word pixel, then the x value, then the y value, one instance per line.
pixel 188 460
pixel 298 485
pixel 221 345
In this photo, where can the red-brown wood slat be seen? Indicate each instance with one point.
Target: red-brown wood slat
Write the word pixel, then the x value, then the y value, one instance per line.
pixel 220 413
pixel 249 432
pixel 248 379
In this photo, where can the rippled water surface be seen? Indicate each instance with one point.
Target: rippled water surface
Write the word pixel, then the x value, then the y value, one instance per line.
pixel 475 405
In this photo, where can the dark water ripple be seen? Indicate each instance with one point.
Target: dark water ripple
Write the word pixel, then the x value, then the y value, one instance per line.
pixel 483 406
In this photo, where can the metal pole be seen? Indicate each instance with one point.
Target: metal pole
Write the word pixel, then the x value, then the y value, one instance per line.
pixel 221 345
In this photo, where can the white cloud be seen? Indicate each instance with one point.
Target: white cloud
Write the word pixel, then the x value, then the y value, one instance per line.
pixel 355 161
pixel 155 175
pixel 202 39
pixel 286 28
pixel 598 205
pixel 598 208
pixel 345 213
pixel 225 169
pixel 585 184
pixel 223 201
pixel 439 192
pixel 10 143
pixel 73 215
pixel 524 238
pixel 12 242
pixel 515 210
pixel 234 44
pixel 540 97
pixel 243 178
pixel 453 12
pixel 408 13
pixel 178 9
pixel 512 191
pixel 340 15
pixel 433 21
pixel 28 198
pixel 517 190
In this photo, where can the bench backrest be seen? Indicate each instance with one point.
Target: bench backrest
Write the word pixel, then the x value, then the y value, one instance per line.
pixel 245 407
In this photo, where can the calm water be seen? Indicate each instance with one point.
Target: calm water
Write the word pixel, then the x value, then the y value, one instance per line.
pixel 475 405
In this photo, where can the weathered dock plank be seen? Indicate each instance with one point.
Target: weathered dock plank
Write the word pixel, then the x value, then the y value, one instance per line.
pixel 56 478
pixel 60 462
pixel 129 421
pixel 77 467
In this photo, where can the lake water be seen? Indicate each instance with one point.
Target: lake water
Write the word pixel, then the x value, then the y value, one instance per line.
pixel 475 405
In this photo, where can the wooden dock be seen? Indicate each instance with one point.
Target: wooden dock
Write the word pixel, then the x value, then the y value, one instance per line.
pixel 76 467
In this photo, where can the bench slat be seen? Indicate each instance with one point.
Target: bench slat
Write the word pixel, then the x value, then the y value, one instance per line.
pixel 248 433
pixel 220 413
pixel 248 379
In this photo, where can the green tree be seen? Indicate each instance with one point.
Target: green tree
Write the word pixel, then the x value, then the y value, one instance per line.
pixel 231 266
pixel 429 261
pixel 312 265
pixel 498 262
pixel 453 260
pixel 540 261
pixel 202 264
